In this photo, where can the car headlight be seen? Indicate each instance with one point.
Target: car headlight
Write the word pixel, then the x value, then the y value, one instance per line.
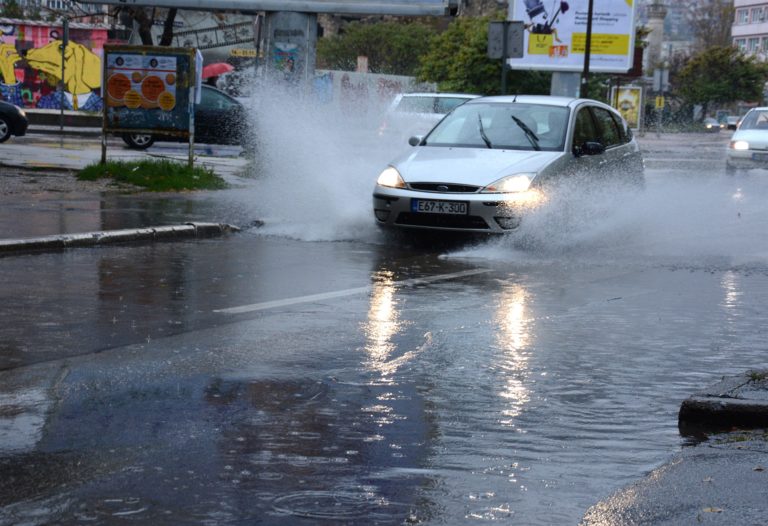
pixel 509 184
pixel 22 113
pixel 391 178
pixel 740 145
pixel 709 126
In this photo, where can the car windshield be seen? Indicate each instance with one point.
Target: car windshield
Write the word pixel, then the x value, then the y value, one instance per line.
pixel 507 125
pixel 755 120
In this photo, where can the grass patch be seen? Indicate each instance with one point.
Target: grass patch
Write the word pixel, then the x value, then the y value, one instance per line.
pixel 155 175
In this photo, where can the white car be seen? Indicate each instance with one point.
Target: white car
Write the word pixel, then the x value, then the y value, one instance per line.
pixel 416 113
pixel 492 158
pixel 749 143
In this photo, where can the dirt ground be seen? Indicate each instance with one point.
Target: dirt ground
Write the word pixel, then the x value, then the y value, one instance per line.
pixel 15 180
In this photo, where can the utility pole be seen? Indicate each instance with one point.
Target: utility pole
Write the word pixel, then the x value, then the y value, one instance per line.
pixel 587 48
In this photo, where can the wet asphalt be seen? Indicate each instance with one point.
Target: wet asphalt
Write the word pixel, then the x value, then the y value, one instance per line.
pixel 720 478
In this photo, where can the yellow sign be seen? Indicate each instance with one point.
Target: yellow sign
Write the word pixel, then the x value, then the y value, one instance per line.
pixel 602 44
pixel 240 52
pixel 659 102
pixel 539 44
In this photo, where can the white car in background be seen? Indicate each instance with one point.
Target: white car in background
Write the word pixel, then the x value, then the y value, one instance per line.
pixel 749 143
pixel 494 158
pixel 412 114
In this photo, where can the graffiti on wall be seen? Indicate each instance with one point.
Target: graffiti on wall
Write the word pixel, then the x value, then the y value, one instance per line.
pixel 31 76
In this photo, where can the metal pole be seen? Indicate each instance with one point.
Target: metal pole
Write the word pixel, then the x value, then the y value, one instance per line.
pixel 64 43
pixel 504 52
pixel 587 48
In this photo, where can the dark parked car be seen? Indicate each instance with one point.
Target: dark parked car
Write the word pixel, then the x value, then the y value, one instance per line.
pixel 219 119
pixel 13 121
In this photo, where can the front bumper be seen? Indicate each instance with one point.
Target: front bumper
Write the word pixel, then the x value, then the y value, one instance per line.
pixel 486 213
pixel 747 159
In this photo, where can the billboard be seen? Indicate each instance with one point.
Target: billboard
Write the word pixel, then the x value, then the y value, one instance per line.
pixel 359 7
pixel 148 88
pixel 556 34
pixel 628 100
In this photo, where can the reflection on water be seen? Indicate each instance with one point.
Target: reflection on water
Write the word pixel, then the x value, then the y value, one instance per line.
pixel 513 336
pixel 382 325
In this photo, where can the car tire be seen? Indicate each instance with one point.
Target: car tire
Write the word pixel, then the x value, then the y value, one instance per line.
pixel 138 141
pixel 5 130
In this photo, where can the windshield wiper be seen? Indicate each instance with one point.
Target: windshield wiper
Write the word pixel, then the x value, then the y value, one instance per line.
pixel 480 128
pixel 532 137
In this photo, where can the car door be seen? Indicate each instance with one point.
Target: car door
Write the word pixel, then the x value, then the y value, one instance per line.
pixel 584 131
pixel 217 118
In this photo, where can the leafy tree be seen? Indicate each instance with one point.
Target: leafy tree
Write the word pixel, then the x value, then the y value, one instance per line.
pixel 457 60
pixel 721 75
pixel 710 21
pixel 11 9
pixel 391 48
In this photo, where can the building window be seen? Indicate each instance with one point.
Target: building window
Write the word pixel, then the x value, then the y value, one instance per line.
pixel 741 43
pixel 764 46
pixel 756 15
pixel 753 44
pixel 742 16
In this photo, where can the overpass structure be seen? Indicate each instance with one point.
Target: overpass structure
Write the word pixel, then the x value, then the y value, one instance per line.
pixel 290 26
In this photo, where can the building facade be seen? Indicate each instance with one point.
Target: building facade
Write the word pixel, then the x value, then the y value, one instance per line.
pixel 750 27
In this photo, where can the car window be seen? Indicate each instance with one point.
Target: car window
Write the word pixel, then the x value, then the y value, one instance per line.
pixel 584 130
pixel 502 126
pixel 416 105
pixel 212 99
pixel 446 104
pixel 755 120
pixel 624 131
pixel 607 129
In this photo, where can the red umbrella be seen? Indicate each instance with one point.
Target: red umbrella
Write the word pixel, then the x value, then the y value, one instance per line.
pixel 216 69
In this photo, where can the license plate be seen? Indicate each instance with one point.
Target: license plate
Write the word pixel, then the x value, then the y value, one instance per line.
pixel 426 206
pixel 760 156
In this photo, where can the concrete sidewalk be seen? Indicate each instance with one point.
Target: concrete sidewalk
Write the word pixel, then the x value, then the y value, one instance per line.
pixel 719 480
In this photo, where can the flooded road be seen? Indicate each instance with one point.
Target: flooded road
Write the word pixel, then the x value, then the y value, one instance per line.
pixel 257 378
pixel 315 371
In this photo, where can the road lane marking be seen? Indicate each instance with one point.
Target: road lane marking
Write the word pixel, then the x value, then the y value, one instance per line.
pixel 346 292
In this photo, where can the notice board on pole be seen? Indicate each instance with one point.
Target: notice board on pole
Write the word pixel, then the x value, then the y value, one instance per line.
pixel 149 89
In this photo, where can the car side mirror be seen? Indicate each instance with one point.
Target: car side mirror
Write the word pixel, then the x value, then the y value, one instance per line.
pixel 589 148
pixel 415 140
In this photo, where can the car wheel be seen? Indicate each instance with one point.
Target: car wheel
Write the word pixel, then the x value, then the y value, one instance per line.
pixel 5 130
pixel 139 141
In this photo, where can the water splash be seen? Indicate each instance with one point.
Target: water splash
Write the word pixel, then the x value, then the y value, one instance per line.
pixel 317 166
pixel 698 218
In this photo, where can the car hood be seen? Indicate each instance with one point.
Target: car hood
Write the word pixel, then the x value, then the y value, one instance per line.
pixel 471 166
pixel 753 137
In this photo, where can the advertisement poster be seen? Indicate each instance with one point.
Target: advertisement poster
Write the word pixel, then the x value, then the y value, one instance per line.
pixel 628 100
pixel 147 88
pixel 556 33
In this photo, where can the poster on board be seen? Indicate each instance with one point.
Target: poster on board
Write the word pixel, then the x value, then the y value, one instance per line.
pixel 148 88
pixel 628 100
pixel 556 33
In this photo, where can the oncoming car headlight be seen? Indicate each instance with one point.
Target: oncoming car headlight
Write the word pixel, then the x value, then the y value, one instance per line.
pixel 391 178
pixel 509 184
pixel 740 145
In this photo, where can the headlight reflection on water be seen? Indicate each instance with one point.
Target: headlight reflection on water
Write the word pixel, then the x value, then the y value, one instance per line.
pixel 513 337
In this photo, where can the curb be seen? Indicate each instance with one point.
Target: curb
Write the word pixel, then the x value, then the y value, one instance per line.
pixel 735 401
pixel 90 239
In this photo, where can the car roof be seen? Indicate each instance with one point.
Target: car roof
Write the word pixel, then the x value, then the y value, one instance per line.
pixel 552 100
pixel 428 94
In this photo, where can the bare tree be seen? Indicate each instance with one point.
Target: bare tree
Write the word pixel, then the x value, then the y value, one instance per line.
pixel 710 21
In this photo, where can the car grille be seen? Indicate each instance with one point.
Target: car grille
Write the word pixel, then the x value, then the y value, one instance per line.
pixel 441 221
pixel 445 188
